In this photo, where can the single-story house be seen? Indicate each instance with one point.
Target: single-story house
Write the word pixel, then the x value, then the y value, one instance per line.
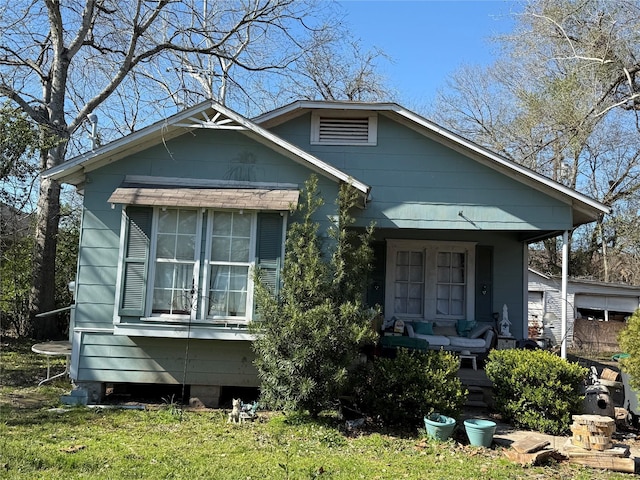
pixel 596 311
pixel 176 215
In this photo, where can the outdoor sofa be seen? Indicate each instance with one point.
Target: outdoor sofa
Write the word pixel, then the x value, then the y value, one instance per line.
pixel 454 336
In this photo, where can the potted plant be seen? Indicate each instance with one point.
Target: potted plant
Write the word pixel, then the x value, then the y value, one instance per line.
pixel 439 427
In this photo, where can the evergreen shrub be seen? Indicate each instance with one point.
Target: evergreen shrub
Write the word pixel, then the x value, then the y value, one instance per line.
pixel 535 389
pixel 629 341
pixel 400 391
pixel 312 330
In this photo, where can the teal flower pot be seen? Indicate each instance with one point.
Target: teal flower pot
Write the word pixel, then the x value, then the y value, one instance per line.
pixel 480 432
pixel 439 427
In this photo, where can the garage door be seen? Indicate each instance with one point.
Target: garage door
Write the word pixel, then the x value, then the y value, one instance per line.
pixel 610 303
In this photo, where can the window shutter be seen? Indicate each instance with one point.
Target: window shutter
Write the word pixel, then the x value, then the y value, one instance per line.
pixel 135 261
pixel 269 249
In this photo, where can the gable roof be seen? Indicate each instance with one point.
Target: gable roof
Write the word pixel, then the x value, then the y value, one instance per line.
pixel 209 115
pixel 585 209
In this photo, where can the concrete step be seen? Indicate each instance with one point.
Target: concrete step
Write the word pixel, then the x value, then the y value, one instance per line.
pixel 476 404
pixel 476 397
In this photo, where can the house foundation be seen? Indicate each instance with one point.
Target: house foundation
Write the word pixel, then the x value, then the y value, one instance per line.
pixel 205 396
pixel 85 393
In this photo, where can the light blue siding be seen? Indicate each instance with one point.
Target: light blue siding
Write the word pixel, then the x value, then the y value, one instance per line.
pixel 118 359
pixel 98 275
pixel 419 183
pixel 420 190
pixel 94 315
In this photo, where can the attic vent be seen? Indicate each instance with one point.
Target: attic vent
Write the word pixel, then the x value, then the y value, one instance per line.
pixel 342 130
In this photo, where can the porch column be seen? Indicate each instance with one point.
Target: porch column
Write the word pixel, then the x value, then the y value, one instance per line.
pixel 563 308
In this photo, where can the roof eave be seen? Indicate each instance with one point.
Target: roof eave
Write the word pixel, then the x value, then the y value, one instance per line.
pixel 280 115
pixel 73 171
pixel 123 146
pixel 585 209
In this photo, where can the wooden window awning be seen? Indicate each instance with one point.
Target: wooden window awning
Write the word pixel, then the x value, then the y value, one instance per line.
pixel 228 198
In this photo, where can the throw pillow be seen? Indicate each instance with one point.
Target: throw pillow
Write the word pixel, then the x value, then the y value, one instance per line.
pixel 465 326
pixel 423 328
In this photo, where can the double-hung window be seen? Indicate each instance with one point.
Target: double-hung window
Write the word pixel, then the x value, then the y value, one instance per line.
pixel 408 283
pixel 229 259
pixel 177 248
pixel 430 280
pixel 185 264
pixel 201 264
pixel 451 283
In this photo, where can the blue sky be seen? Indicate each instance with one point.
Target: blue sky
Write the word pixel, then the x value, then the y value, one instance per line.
pixel 429 39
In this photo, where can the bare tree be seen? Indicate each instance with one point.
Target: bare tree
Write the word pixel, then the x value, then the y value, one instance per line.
pixel 20 140
pixel 563 100
pixel 337 69
pixel 332 65
pixel 59 61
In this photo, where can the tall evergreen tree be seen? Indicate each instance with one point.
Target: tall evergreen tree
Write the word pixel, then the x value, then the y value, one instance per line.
pixel 311 332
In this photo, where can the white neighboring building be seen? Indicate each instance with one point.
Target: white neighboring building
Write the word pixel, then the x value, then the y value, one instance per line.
pixel 587 299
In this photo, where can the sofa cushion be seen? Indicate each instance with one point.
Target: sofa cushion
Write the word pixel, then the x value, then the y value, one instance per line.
pixel 435 340
pixel 445 329
pixel 467 342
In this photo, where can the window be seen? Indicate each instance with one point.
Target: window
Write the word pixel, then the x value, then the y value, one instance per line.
pixel 339 128
pixel 229 261
pixel 429 279
pixel 409 282
pixel 451 283
pixel 181 264
pixel 224 288
pixel 176 247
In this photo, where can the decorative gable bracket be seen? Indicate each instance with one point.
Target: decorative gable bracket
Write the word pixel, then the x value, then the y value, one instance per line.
pixel 218 121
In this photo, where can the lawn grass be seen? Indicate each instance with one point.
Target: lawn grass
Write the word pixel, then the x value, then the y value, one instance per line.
pixel 38 439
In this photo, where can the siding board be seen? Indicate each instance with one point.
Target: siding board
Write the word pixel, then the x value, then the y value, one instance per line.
pixel 107 358
pixel 98 257
pixel 419 183
pixel 95 293
pixel 99 238
pixel 92 313
pixel 98 275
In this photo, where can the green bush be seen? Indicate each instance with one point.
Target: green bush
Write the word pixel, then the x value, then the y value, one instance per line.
pixel 400 391
pixel 536 389
pixel 629 340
